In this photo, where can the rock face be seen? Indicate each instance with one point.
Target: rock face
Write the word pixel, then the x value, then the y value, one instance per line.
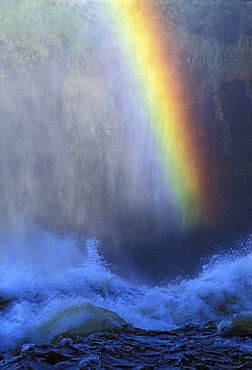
pixel 67 160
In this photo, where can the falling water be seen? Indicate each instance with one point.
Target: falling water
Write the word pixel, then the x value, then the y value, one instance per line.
pixel 119 235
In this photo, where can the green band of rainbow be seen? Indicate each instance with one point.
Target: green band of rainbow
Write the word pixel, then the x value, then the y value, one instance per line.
pixel 152 61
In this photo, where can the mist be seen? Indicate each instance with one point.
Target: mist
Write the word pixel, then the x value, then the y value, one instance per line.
pixel 77 157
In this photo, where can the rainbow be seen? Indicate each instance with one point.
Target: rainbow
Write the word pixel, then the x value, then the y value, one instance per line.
pixel 151 56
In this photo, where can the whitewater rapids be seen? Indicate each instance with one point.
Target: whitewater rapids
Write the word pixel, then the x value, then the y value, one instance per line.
pixel 52 287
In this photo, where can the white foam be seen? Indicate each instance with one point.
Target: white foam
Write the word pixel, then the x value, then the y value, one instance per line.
pixel 54 284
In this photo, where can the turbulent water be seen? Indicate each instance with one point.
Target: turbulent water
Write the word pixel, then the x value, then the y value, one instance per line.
pixel 61 306
pixel 131 123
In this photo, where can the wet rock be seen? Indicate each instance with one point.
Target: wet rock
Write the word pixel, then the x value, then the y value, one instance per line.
pixel 5 303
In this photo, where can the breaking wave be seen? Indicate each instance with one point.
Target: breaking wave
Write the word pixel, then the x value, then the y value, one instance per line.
pixel 51 286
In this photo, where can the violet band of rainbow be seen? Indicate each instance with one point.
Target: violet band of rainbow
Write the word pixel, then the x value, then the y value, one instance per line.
pixel 152 62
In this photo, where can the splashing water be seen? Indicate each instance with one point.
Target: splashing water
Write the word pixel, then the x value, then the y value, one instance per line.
pixel 50 291
pixel 120 125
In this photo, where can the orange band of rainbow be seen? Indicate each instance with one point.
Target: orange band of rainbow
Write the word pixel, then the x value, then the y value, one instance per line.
pixel 152 60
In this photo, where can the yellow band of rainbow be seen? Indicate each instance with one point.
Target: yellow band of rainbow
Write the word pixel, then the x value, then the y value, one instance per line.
pixel 151 56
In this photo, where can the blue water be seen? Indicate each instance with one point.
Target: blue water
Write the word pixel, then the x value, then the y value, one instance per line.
pixel 55 285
